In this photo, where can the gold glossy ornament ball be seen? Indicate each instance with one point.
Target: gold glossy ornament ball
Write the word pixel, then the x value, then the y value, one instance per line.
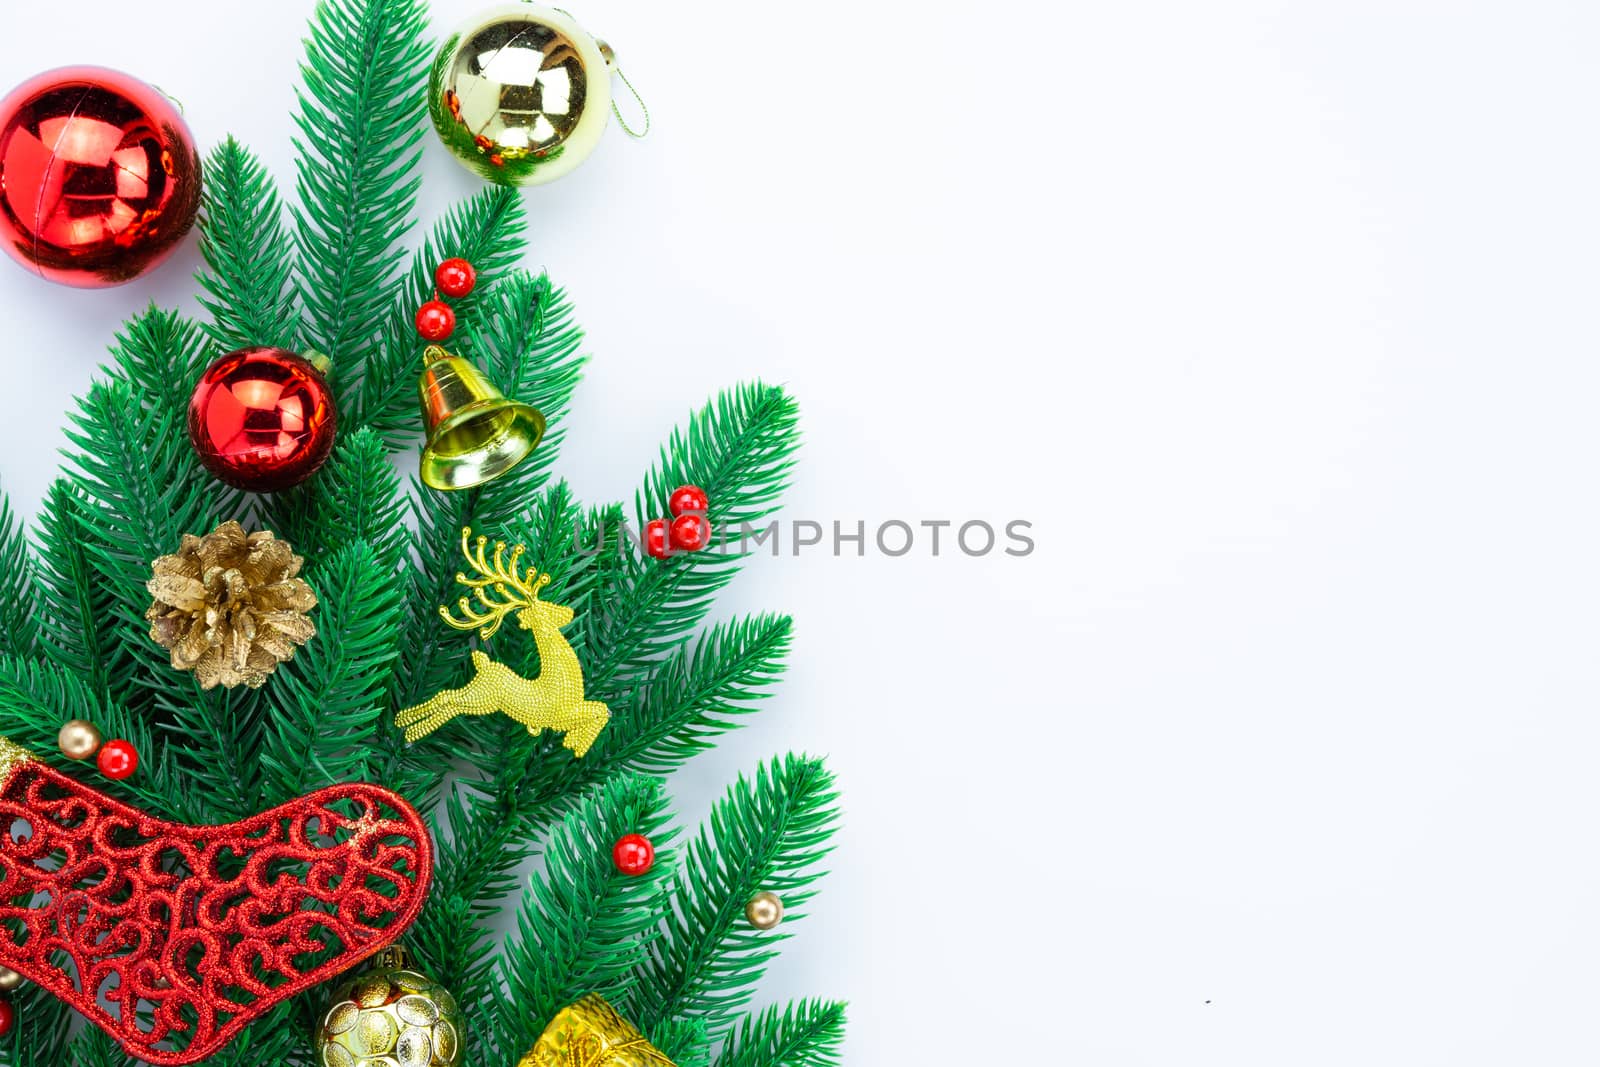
pixel 765 911
pixel 391 1017
pixel 79 740
pixel 521 94
pixel 10 981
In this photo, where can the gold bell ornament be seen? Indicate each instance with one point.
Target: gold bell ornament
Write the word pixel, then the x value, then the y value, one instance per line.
pixel 521 94
pixel 475 434
pixel 390 1016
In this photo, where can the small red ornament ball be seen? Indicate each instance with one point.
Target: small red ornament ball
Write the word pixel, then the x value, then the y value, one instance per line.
pixel 262 419
pixel 691 532
pixel 8 1017
pixel 436 321
pixel 99 177
pixel 657 539
pixel 456 278
pixel 634 854
pixel 689 498
pixel 118 759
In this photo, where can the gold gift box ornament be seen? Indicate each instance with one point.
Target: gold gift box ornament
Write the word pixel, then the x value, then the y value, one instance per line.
pixel 592 1034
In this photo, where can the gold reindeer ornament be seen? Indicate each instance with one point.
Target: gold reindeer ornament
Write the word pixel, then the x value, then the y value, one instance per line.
pixel 552 701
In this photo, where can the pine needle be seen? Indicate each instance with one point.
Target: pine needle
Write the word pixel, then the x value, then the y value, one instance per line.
pixel 360 122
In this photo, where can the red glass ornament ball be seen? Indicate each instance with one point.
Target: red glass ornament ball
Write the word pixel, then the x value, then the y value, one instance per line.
pixel 99 177
pixel 436 321
pixel 634 854
pixel 118 759
pixel 689 498
pixel 691 532
pixel 456 278
pixel 8 1017
pixel 262 419
pixel 657 540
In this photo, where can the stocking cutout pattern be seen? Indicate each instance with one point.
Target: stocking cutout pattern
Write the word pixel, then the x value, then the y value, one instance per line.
pixel 190 933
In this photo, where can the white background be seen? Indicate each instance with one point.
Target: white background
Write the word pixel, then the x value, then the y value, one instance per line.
pixel 1275 318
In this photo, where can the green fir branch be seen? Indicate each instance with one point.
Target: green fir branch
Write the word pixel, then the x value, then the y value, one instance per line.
pixel 19 591
pixel 272 1039
pixel 355 497
pixel 684 1042
pixel 77 609
pixel 36 699
pixel 333 694
pixel 475 863
pixel 217 736
pixel 248 254
pixel 160 355
pixel 740 450
pixel 139 489
pixel 699 692
pixel 40 1032
pixel 807 1033
pixel 94 1048
pixel 768 833
pixel 134 511
pixel 360 123
pixel 585 927
pixel 459 954
pixel 486 230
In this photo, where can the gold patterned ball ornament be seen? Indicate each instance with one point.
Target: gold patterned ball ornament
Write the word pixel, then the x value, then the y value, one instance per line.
pixel 78 739
pixel 391 1017
pixel 521 94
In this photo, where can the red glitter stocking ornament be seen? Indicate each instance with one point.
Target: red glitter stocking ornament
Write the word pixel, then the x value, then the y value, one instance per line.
pixel 191 933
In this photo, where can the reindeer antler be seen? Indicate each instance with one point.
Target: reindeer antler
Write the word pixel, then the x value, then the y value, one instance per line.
pixel 494 590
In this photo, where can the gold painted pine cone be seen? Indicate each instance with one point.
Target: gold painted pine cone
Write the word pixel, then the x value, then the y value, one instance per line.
pixel 231 606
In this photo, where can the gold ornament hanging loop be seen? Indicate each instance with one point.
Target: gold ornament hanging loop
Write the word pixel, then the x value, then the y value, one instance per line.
pixel 616 109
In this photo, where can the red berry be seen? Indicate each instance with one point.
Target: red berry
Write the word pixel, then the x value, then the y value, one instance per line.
pixel 657 541
pixel 8 1017
pixel 436 321
pixel 689 498
pixel 118 759
pixel 456 278
pixel 634 854
pixel 691 532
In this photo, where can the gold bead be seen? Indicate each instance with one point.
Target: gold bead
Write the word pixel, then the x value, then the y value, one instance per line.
pixel 79 740
pixel 764 911
pixel 10 981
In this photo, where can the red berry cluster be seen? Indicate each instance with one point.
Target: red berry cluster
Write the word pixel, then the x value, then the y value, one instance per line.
pixel 436 320
pixel 689 530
